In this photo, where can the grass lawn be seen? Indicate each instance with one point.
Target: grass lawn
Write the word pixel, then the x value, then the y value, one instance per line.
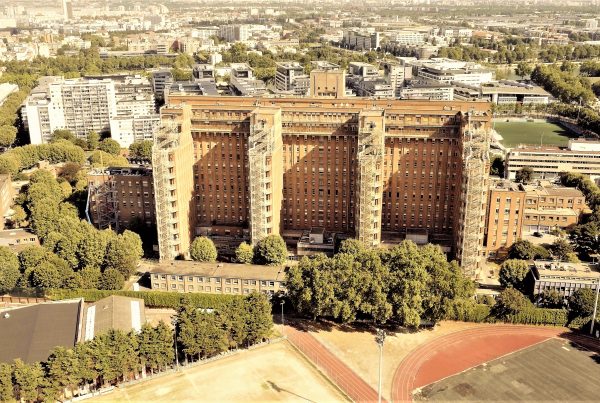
pixel 515 133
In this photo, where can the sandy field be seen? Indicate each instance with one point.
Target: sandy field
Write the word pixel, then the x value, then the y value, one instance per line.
pixel 271 373
pixel 360 352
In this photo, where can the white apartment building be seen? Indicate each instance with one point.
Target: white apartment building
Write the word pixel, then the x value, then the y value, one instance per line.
pixel 581 156
pixel 290 77
pixel 447 71
pixel 429 92
pixel 407 37
pixel 234 33
pixel 85 105
pixel 395 74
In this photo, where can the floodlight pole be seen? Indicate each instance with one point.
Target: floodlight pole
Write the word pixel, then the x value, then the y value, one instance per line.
pixel 379 339
pixel 282 318
pixel 595 308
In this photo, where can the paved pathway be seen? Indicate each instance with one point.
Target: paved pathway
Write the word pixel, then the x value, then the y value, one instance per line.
pixel 338 372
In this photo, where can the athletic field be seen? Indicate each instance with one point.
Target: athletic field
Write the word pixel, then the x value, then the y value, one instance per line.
pixel 515 133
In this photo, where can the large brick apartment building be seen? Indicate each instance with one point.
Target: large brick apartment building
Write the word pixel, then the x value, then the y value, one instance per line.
pixel 372 169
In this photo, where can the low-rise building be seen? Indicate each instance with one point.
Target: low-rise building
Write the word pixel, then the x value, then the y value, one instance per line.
pixel 315 240
pixel 564 278
pixel 549 162
pixel 243 83
pixel 17 239
pixel 216 278
pixel 502 92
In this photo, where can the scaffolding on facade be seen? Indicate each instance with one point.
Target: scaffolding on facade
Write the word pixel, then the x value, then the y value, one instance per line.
pixel 165 140
pixel 370 162
pixel 474 195
pixel 103 199
pixel 261 143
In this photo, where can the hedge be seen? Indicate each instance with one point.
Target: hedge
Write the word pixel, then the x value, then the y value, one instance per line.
pixel 152 299
pixel 480 313
pixel 540 316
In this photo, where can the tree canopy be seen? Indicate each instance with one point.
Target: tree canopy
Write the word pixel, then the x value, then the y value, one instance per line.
pixel 270 250
pixel 203 249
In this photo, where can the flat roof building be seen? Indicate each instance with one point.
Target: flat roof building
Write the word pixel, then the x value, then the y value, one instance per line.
pixel 113 312
pixel 216 278
pixel 290 77
pixel 562 277
pixel 548 162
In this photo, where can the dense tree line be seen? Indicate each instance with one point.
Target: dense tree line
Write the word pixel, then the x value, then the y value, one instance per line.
pixel 203 333
pixel 108 359
pixel 74 253
pixel 19 158
pixel 404 284
pixel 563 83
pixel 516 51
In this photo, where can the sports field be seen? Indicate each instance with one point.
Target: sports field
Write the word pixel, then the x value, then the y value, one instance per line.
pixel 271 373
pixel 515 133
pixel 551 371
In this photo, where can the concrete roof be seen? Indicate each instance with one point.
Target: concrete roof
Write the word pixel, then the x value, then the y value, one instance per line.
pixel 560 212
pixel 31 332
pixel 223 270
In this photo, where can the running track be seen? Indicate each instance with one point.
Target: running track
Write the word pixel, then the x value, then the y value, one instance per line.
pixel 338 372
pixel 459 351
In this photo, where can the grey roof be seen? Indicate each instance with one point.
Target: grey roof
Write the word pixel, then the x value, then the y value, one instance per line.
pixel 113 312
pixel 30 333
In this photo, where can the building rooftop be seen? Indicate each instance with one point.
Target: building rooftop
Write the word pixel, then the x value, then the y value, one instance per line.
pixel 223 270
pixel 503 184
pixel 31 332
pixel 558 212
pixel 559 271
pixel 114 312
pixel 124 171
pixel 550 149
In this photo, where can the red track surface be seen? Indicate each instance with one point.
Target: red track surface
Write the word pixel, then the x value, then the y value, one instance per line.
pixel 459 351
pixel 346 379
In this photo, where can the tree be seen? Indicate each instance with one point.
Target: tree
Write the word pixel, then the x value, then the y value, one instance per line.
pixel 90 276
pixel 510 302
pixel 46 275
pixel 551 299
pixel 523 69
pixel 111 279
pixel 203 249
pixel 525 250
pixel 270 250
pixel 141 149
pixel 62 369
pixel 124 252
pixel 164 341
pixel 586 237
pixel 561 249
pixel 497 166
pixel 244 253
pixel 28 379
pixel 513 273
pixel 6 383
pixel 110 146
pixel 524 175
pixel 8 135
pixel 581 302
pixel 9 270
pixel 93 141
pixel 70 171
pixel 19 217
pixel 259 320
pixel 352 246
pixel 62 134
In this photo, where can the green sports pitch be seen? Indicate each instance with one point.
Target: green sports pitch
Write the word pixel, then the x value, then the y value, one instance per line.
pixel 515 133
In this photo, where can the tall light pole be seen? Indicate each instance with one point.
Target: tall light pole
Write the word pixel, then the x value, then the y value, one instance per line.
pixel 595 308
pixel 174 322
pixel 282 319
pixel 379 339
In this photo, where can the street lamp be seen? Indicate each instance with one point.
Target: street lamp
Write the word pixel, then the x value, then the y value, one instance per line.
pixel 282 319
pixel 379 339
pixel 174 321
pixel 595 308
